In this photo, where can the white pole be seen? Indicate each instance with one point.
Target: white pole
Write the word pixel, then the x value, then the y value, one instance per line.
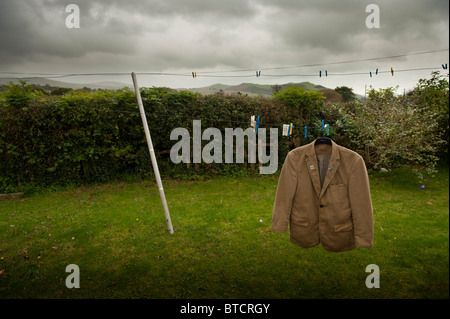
pixel 152 154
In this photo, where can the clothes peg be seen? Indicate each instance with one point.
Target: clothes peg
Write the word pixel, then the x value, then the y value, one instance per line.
pixel 444 66
pixel 257 125
pixel 392 71
pixel 320 74
pixel 326 73
pixel 327 127
pixel 370 73
pixel 376 72
pixel 287 129
pixel 252 121
pixel 323 125
pixel 306 132
pixel 193 75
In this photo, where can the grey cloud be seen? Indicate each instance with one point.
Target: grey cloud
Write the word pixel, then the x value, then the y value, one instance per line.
pixel 336 25
pixel 159 35
pixel 38 27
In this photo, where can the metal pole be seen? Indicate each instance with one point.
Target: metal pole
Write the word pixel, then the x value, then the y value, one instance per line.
pixel 152 154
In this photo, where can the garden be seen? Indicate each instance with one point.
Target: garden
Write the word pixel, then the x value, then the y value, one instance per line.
pixel 78 188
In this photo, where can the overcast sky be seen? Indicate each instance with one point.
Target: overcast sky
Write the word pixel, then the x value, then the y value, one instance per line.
pixel 214 38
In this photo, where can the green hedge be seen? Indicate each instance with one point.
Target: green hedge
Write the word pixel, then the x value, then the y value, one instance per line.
pixel 86 137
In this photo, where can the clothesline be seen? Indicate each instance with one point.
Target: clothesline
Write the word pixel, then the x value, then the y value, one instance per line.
pixel 259 73
pixel 324 74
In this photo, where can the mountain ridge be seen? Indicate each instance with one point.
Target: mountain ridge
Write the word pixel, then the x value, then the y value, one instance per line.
pixel 251 89
pixel 107 85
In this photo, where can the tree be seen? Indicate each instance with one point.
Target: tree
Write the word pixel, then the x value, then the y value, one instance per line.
pixel 20 95
pixel 61 91
pixel 276 88
pixel 332 96
pixel 346 92
pixel 307 104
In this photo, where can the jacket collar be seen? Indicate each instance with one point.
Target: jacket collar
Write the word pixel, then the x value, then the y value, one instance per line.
pixel 311 162
pixel 311 151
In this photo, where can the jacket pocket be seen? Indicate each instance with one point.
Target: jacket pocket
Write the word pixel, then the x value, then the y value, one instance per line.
pixel 300 221
pixel 304 232
pixel 338 190
pixel 343 227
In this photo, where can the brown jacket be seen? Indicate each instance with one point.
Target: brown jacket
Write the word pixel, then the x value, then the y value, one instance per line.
pixel 324 194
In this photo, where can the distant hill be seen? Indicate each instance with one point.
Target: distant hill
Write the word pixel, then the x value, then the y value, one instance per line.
pixel 43 82
pixel 252 88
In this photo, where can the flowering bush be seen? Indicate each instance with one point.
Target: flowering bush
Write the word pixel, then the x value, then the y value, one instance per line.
pixel 390 131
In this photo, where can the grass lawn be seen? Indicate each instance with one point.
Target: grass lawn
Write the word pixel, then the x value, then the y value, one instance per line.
pixel 222 246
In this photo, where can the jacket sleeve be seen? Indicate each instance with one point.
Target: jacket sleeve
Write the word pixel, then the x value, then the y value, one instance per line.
pixel 287 186
pixel 361 204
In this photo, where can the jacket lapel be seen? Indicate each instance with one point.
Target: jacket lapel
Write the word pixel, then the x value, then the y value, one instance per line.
pixel 312 167
pixel 333 166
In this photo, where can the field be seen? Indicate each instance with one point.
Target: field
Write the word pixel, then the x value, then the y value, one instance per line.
pixel 222 247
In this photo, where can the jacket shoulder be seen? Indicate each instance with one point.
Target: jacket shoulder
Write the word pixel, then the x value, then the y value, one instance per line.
pixel 350 156
pixel 298 152
pixel 345 152
pixel 296 156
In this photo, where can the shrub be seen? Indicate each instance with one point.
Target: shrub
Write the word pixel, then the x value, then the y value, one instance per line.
pixel 431 97
pixel 391 131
